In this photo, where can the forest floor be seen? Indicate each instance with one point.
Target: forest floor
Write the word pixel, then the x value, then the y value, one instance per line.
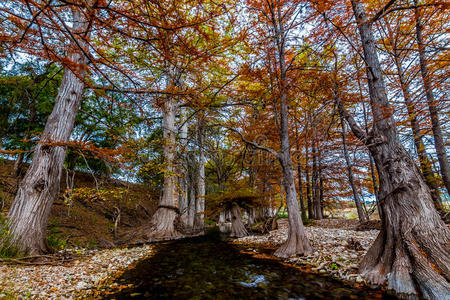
pixel 338 248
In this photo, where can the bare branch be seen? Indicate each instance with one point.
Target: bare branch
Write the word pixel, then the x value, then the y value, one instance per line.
pixel 275 153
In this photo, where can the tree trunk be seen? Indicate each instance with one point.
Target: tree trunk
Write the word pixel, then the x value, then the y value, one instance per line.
pixel 200 200
pixel 162 224
pixel 321 191
pixel 424 161
pixel 316 184
pixel 371 163
pixel 434 114
pixel 251 216
pixel 29 213
pixel 184 171
pixel 237 226
pixel 191 204
pixel 411 251
pixel 308 186
pixel 361 215
pixel 17 170
pixel 297 242
pixel 300 181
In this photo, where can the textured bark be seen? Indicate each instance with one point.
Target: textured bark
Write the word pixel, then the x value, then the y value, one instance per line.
pixel 411 252
pixel 361 215
pixel 439 143
pixel 29 213
pixel 183 198
pixel 424 161
pixel 162 224
pixel 200 199
pixel 237 226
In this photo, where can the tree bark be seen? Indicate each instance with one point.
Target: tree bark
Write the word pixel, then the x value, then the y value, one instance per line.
pixel 411 252
pixel 434 114
pixel 29 213
pixel 424 161
pixel 237 226
pixel 251 216
pixel 191 203
pixel 300 181
pixel 361 215
pixel 316 182
pixel 371 163
pixel 297 242
pixel 162 223
pixel 200 200
pixel 308 185
pixel 184 171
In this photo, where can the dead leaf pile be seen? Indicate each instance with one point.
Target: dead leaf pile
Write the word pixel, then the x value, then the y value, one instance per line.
pixel 337 251
pixel 65 281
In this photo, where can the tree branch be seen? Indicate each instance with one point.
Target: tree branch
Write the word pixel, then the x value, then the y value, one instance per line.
pixel 382 11
pixel 275 153
pixel 356 129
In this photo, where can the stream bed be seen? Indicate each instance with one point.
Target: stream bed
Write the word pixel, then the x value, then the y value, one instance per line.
pixel 208 267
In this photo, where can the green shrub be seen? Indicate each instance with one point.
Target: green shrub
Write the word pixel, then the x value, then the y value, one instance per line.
pixel 7 250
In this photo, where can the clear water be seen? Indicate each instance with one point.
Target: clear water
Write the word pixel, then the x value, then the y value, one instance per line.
pixel 209 268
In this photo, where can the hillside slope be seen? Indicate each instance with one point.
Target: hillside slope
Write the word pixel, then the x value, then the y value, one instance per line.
pixel 92 213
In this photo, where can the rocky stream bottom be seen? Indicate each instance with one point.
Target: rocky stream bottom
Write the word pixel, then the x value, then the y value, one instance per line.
pixel 208 267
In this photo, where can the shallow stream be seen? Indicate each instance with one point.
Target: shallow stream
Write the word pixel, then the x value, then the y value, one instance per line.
pixel 208 267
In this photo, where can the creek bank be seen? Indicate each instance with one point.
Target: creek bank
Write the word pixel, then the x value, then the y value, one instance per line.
pixel 337 246
pixel 68 280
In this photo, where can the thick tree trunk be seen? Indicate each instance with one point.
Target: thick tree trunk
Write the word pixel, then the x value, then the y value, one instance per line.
pixel 162 224
pixel 184 171
pixel 424 161
pixel 29 213
pixel 237 226
pixel 434 114
pixel 411 252
pixel 361 215
pixel 200 200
